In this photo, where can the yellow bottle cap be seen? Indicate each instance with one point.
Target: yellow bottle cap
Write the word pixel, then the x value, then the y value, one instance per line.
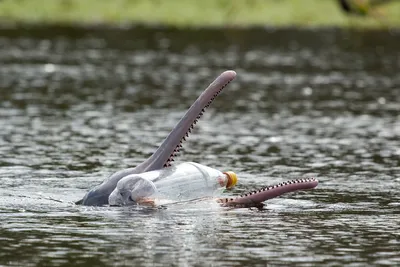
pixel 232 179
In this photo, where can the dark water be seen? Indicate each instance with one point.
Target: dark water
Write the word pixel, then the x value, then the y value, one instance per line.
pixel 79 104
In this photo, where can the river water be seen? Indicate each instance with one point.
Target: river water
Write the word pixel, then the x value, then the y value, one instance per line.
pixel 77 104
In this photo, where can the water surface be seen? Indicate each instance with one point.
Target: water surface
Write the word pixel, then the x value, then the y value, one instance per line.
pixel 78 104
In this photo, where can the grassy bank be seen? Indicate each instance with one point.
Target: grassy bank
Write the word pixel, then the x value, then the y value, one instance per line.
pixel 196 13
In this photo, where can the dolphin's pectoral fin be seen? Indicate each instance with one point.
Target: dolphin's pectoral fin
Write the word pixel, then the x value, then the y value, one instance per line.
pixel 255 198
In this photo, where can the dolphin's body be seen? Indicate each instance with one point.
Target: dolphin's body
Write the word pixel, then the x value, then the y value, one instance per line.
pixel 169 148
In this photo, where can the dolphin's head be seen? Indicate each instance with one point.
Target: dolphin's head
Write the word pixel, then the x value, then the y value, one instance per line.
pixel 170 147
pixel 130 190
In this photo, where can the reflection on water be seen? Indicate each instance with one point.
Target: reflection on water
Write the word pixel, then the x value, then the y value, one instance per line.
pixel 79 104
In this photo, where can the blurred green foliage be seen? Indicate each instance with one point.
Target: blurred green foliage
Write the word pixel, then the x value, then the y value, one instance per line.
pixel 200 13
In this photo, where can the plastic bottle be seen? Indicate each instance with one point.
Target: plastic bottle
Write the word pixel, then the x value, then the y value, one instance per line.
pixel 185 181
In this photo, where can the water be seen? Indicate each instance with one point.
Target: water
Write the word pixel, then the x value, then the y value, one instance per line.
pixel 78 104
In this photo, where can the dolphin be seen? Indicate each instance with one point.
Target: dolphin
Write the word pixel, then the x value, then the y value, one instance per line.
pixel 170 147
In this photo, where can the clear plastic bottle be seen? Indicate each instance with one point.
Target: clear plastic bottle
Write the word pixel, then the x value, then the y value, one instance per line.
pixel 185 181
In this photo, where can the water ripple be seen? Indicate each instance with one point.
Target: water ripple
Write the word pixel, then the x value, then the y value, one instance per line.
pixel 79 104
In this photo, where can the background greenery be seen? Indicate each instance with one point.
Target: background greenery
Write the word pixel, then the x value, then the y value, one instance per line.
pixel 199 13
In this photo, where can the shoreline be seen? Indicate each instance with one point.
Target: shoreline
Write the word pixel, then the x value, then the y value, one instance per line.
pixel 132 26
pixel 191 14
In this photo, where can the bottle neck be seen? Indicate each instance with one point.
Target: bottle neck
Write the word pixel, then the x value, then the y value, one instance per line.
pixel 227 180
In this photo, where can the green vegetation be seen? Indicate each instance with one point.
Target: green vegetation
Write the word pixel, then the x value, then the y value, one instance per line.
pixel 197 13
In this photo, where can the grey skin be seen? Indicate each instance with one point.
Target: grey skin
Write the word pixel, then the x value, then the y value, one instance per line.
pixel 169 148
pixel 108 193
